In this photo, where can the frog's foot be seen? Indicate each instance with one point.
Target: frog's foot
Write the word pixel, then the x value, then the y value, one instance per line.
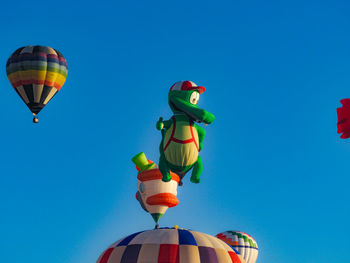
pixel 197 170
pixel 195 179
pixel 166 177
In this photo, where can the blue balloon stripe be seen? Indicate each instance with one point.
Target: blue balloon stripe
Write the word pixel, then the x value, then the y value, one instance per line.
pixel 244 247
pixel 27 58
pixel 127 240
pixel 186 238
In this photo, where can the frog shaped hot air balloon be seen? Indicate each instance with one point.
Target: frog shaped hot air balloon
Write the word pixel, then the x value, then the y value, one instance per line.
pixel 36 73
pixel 182 139
pixel 154 195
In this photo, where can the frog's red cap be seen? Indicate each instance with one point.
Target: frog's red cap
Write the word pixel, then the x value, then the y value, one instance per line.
pixel 187 85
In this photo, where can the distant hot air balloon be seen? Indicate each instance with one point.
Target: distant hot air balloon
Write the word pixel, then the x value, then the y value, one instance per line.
pixel 242 243
pixel 37 73
pixel 154 195
pixel 169 245
pixel 343 124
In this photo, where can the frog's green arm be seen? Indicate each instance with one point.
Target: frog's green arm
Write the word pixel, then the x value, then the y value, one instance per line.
pixel 201 135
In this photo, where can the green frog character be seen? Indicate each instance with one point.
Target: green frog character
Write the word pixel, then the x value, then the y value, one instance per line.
pixel 182 138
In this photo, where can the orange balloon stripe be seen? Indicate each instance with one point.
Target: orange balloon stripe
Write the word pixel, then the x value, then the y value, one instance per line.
pixel 155 174
pixel 230 242
pixel 234 257
pixel 227 240
pixel 57 86
pixel 16 78
pixel 166 199
pixel 37 82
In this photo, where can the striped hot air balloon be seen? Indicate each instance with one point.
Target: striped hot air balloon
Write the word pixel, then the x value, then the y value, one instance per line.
pixel 37 73
pixel 242 243
pixel 169 245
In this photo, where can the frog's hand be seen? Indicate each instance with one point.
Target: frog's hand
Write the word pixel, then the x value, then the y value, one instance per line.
pixel 208 117
pixel 160 124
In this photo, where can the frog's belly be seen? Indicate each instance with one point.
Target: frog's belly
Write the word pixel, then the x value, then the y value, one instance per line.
pixel 181 155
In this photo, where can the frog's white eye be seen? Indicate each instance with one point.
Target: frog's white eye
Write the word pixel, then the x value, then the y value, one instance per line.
pixel 142 188
pixel 194 97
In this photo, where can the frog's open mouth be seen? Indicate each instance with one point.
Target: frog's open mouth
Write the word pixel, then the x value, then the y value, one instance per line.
pixel 189 114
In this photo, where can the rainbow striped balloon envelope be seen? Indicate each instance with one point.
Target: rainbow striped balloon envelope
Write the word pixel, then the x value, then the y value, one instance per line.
pixel 37 73
pixel 242 243
pixel 170 245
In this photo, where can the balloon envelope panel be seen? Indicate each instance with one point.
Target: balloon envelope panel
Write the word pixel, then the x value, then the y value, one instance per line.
pixel 169 245
pixel 241 242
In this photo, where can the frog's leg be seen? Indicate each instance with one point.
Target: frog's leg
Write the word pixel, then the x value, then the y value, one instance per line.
pixel 197 170
pixel 164 169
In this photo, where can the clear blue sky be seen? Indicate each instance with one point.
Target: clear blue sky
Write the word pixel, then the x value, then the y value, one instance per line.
pixel 274 164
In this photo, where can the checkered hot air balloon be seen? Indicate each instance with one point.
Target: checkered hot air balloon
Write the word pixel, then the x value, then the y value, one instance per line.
pixel 242 243
pixel 36 73
pixel 169 245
